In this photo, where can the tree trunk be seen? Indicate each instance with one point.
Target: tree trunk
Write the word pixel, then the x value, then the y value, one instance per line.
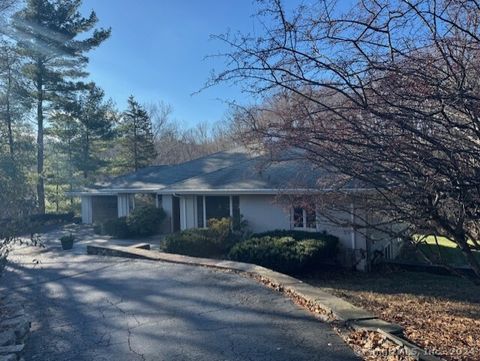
pixel 86 152
pixel 135 149
pixel 461 240
pixel 471 259
pixel 70 172
pixel 9 115
pixel 40 145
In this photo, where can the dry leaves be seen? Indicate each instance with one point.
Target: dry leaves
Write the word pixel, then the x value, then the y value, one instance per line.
pixel 440 314
pixel 375 347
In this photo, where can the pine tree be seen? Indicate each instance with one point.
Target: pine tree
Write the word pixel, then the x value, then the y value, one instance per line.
pixel 136 137
pixel 80 135
pixel 46 32
pixel 14 100
pixel 96 119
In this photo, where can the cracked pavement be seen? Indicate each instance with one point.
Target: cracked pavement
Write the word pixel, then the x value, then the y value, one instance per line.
pixel 100 308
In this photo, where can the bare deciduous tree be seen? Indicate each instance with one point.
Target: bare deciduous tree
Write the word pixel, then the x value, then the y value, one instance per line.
pixel 386 93
pixel 175 143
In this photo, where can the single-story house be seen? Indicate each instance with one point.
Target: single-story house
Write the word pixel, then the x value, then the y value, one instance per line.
pixel 225 184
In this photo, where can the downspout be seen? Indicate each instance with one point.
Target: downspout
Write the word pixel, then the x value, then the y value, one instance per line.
pixel 353 232
pixel 353 235
pixel 204 212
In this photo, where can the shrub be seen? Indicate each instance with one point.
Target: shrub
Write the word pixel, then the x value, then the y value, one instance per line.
pixel 117 228
pixel 284 253
pixel 38 223
pixel 145 220
pixel 193 242
pixel 98 228
pixel 52 218
pixel 69 238
pixel 298 235
pixel 214 241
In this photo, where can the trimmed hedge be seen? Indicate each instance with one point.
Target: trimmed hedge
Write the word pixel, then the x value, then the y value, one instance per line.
pixel 214 241
pixel 52 217
pixel 290 252
pixel 298 235
pixel 193 242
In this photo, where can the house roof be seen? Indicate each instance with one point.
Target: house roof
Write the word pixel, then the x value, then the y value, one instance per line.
pixel 261 174
pixel 156 178
pixel 234 171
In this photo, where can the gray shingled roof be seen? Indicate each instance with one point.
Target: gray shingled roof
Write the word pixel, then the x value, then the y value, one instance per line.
pixel 159 177
pixel 260 175
pixel 251 175
pixel 236 171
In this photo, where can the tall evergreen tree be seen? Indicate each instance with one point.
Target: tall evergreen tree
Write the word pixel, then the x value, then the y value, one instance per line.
pixel 83 129
pixel 47 33
pixel 14 100
pixel 136 137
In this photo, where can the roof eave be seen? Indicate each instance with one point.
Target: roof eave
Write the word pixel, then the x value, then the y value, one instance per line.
pixel 260 191
pixel 111 191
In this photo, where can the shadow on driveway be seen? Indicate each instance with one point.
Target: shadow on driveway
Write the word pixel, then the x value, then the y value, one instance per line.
pixel 101 308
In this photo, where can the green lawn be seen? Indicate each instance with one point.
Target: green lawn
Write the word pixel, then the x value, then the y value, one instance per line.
pixel 445 250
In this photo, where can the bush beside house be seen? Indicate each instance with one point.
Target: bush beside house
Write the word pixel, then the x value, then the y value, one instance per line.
pixel 287 251
pixel 143 221
pixel 117 228
pixel 214 241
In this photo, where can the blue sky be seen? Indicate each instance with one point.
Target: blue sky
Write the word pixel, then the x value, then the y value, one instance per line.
pixel 157 49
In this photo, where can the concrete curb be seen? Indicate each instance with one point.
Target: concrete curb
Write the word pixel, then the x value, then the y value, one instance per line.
pixel 329 307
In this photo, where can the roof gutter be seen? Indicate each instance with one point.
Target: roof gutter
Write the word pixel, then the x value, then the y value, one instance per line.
pixel 262 191
pixel 174 192
pixel 111 191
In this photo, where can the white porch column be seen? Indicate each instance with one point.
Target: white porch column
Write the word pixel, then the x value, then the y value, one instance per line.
pixel 123 203
pixel 87 210
pixel 183 214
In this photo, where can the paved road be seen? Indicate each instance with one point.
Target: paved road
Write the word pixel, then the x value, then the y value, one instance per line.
pixel 100 308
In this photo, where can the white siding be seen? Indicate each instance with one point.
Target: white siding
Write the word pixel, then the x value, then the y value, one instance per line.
pixel 348 238
pixel 264 214
pixel 87 210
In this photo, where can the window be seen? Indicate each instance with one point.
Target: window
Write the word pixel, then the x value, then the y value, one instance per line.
pixel 144 199
pixel 298 217
pixel 217 207
pixel 310 218
pixel 305 218
pixel 209 207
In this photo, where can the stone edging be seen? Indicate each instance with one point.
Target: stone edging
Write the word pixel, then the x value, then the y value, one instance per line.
pixel 14 330
pixel 330 308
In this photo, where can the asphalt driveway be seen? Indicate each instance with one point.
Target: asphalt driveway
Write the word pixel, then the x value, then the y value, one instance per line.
pixel 100 308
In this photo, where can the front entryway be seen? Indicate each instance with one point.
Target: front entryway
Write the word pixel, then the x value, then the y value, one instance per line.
pixel 175 214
